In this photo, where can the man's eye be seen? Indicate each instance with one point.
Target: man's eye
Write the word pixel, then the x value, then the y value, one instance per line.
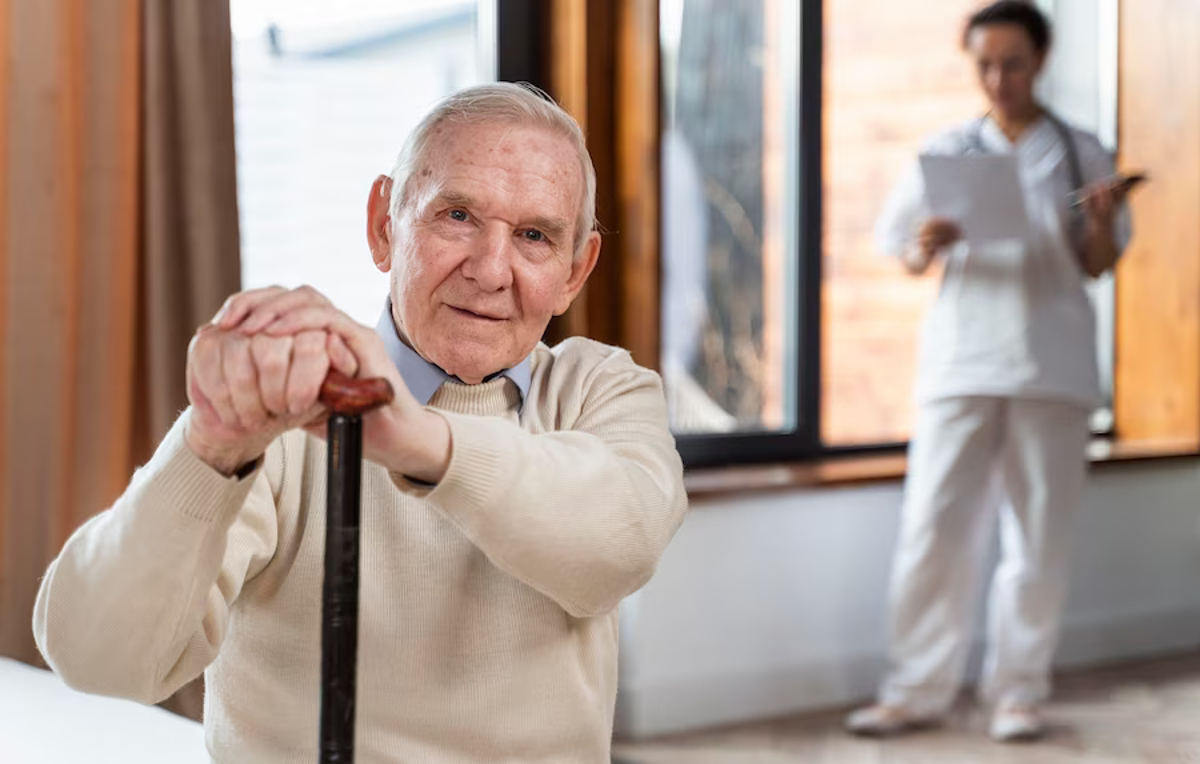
pixel 459 215
pixel 535 235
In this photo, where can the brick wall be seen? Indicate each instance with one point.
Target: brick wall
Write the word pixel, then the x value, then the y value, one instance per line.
pixel 894 73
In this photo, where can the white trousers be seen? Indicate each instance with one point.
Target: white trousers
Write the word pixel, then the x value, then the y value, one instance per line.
pixel 966 455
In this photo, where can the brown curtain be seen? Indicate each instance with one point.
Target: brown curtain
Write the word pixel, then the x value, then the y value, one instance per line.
pixel 190 260
pixel 118 236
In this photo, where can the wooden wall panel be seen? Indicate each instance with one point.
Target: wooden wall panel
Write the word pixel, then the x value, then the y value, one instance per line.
pixel 568 23
pixel 638 131
pixel 1158 282
pixel 604 70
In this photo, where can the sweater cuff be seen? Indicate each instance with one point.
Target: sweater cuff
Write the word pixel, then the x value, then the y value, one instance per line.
pixel 480 467
pixel 176 477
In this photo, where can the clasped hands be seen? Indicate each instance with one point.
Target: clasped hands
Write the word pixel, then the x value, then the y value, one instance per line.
pixel 255 371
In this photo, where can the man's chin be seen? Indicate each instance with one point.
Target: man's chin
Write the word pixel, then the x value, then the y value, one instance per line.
pixel 473 361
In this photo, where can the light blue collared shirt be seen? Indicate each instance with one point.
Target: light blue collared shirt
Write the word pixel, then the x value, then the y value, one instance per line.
pixel 424 378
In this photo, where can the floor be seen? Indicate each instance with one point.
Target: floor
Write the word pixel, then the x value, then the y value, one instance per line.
pixel 1144 713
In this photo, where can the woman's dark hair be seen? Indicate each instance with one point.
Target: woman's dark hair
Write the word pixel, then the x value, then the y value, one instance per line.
pixel 1016 12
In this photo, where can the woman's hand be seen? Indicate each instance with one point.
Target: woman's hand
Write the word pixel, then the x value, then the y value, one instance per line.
pixel 934 235
pixel 1099 203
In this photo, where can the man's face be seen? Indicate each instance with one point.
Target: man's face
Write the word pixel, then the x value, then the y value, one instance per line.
pixel 483 255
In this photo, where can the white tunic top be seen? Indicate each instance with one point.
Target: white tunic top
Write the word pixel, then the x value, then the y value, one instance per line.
pixel 1012 317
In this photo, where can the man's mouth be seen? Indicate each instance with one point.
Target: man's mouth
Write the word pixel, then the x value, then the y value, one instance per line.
pixel 473 314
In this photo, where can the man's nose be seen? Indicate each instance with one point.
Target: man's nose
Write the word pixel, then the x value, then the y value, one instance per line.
pixel 490 262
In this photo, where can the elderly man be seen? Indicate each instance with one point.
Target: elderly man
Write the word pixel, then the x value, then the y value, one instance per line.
pixel 512 495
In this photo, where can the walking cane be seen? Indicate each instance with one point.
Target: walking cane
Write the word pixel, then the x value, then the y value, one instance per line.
pixel 347 399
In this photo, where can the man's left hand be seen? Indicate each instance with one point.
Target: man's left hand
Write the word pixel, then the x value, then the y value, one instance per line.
pixel 403 436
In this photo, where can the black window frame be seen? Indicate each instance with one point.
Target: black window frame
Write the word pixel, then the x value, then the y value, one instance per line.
pixel 521 32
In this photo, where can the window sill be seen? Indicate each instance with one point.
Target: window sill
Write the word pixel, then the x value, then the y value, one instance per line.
pixel 857 469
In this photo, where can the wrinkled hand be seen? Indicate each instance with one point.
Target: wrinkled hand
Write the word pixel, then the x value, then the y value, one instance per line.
pixel 935 234
pixel 248 389
pixel 403 436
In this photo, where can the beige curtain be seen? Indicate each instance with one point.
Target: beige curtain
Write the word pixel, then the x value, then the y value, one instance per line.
pixel 118 236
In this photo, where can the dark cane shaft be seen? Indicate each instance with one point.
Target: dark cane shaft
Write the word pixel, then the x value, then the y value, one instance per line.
pixel 348 399
pixel 339 617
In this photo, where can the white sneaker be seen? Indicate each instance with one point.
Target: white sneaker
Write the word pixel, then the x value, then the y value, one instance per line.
pixel 882 720
pixel 1017 724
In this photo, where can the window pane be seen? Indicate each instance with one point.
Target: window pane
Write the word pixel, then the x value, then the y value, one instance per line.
pixel 324 95
pixel 729 180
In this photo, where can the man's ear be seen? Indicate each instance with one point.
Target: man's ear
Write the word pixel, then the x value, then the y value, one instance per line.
pixel 379 223
pixel 581 267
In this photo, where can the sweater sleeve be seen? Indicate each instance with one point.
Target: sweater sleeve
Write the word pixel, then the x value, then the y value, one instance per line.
pixel 137 602
pixel 581 514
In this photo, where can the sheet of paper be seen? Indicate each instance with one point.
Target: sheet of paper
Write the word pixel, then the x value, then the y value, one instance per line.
pixel 981 193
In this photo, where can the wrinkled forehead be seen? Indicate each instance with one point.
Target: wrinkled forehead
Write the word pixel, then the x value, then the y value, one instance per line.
pixel 535 164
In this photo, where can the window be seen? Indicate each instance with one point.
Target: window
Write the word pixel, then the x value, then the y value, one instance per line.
pixel 324 95
pixel 731 188
pixel 785 334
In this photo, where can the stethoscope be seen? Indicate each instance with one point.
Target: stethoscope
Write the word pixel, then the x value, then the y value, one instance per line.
pixel 976 145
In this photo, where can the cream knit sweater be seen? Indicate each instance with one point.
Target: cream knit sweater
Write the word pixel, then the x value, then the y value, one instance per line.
pixel 488 611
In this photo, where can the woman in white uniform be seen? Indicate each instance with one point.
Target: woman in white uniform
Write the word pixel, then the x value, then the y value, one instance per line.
pixel 1008 377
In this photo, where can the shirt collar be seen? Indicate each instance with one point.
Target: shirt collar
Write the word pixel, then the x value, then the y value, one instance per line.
pixel 423 378
pixel 996 141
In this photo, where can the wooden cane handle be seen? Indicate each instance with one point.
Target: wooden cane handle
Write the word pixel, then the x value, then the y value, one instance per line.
pixel 352 397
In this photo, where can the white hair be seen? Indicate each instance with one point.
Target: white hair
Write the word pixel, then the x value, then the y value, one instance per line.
pixel 502 102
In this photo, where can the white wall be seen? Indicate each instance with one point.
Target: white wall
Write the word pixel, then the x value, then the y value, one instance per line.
pixel 1080 85
pixel 768 605
pixel 1080 81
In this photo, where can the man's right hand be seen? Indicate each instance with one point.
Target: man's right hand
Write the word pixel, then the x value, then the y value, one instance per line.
pixel 248 389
